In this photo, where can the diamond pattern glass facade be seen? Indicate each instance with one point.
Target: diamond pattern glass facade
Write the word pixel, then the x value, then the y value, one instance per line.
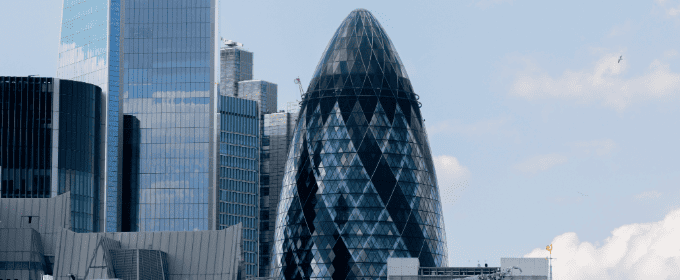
pixel 360 184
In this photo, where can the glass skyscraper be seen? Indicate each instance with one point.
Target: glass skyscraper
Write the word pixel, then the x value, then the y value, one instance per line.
pixel 278 132
pixel 360 184
pixel 265 93
pixel 239 164
pixel 89 51
pixel 50 132
pixel 236 65
pixel 169 89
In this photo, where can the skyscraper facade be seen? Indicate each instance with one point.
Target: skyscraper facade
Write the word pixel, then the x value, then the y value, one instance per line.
pixel 50 132
pixel 237 65
pixel 169 78
pixel 278 132
pixel 238 176
pixel 265 93
pixel 360 184
pixel 89 51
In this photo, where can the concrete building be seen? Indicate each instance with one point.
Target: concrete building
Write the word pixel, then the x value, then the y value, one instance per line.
pixel 511 269
pixel 36 239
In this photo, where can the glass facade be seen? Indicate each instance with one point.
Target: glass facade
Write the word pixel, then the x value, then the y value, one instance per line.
pixel 238 178
pixel 359 185
pixel 50 132
pixel 278 132
pixel 265 93
pixel 89 52
pixel 169 99
pixel 236 65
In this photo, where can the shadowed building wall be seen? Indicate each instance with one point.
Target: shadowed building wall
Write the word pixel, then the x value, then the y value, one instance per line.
pixel 50 143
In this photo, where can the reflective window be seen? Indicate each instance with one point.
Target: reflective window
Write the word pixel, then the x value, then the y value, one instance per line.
pixel 239 172
pixel 359 183
pixel 88 54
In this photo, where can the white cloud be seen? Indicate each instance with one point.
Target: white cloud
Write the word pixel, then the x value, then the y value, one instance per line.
pixel 635 251
pixel 599 147
pixel 605 82
pixel 540 163
pixel 671 7
pixel 648 195
pixel 451 176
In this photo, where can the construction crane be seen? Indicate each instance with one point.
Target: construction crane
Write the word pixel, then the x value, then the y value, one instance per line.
pixel 302 92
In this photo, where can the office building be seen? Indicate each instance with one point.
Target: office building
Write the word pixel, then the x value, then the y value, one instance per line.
pixel 238 176
pixel 38 240
pixel 168 85
pixel 89 51
pixel 238 87
pixel 278 132
pixel 236 65
pixel 359 185
pixel 265 93
pixel 50 133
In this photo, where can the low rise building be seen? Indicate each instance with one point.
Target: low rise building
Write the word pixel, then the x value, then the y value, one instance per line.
pixel 36 239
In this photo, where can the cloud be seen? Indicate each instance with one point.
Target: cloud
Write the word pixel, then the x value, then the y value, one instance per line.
pixel 599 147
pixel 635 251
pixel 671 7
pixel 451 176
pixel 540 163
pixel 648 195
pixel 604 82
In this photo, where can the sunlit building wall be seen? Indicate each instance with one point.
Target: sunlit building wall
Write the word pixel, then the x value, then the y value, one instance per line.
pixel 89 51
pixel 236 65
pixel 169 87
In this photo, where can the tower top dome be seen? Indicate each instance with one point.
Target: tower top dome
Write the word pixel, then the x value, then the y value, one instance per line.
pixel 360 60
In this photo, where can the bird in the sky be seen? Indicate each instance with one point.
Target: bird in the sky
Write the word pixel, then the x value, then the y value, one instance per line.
pixel 620 58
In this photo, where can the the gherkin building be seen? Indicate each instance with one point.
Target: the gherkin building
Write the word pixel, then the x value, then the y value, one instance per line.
pixel 360 184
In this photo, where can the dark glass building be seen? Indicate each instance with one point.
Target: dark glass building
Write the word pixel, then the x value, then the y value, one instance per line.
pixel 360 184
pixel 238 176
pixel 50 135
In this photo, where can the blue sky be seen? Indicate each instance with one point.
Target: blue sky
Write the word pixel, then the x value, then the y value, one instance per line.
pixel 538 133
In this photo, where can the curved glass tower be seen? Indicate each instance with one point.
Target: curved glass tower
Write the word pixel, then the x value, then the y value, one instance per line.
pixel 360 184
